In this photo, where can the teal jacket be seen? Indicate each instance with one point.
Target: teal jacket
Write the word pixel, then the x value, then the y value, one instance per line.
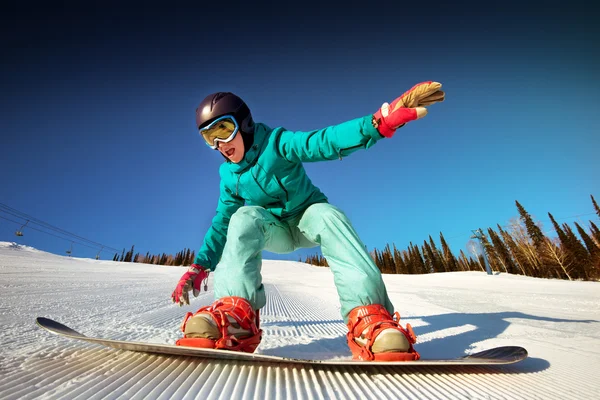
pixel 272 176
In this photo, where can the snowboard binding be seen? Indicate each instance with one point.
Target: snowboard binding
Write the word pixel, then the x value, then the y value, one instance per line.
pixel 374 335
pixel 230 323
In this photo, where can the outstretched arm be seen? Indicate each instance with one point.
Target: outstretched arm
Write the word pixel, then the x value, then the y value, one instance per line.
pixel 338 141
pixel 334 142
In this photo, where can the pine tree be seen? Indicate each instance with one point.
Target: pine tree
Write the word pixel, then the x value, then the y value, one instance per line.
pixel 463 262
pixel 579 252
pixel 388 260
pixel 416 260
pixel 380 261
pixel 468 263
pixel 595 206
pixel 407 261
pixel 391 264
pixel 535 254
pixel 419 261
pixel 515 252
pixel 502 253
pixel 417 265
pixel 316 260
pixel 561 234
pixel 129 255
pixel 593 250
pixel 377 259
pixel 428 258
pixel 595 233
pixel 399 262
pixel 438 264
pixel 450 263
pixel 410 268
pixel 593 265
pixel 492 257
pixel 564 241
pixel 122 255
pixel 534 231
pixel 116 257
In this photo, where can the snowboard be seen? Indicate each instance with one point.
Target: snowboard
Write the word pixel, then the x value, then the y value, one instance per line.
pixel 494 356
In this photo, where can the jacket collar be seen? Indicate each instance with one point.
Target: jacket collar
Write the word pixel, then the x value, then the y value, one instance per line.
pixel 261 133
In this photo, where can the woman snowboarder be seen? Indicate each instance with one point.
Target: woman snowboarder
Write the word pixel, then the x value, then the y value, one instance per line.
pixel 267 202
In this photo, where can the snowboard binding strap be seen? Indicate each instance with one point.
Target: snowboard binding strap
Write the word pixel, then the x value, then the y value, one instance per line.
pixel 375 318
pixel 241 311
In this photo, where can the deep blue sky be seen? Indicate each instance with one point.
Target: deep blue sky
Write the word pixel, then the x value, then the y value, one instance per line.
pixel 99 138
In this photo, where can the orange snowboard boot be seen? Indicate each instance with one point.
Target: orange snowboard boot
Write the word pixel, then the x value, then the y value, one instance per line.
pixel 229 323
pixel 374 335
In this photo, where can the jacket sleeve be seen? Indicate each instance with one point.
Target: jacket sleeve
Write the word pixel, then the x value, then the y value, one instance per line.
pixel 329 143
pixel 210 253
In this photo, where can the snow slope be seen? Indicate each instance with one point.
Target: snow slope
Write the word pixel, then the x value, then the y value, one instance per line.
pixel 453 314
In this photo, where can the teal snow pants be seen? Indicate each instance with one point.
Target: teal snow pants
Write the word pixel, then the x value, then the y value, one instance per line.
pixel 253 229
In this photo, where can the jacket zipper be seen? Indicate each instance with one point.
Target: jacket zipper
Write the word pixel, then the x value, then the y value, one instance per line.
pixel 284 189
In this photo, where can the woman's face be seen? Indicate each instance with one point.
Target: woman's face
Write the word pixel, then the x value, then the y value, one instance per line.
pixel 234 150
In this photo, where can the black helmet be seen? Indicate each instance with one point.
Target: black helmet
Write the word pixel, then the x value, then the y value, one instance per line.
pixel 224 103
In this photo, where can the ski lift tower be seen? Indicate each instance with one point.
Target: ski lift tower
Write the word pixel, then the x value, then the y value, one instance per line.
pixel 478 234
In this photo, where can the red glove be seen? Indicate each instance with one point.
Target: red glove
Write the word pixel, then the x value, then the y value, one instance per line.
pixel 192 279
pixel 407 107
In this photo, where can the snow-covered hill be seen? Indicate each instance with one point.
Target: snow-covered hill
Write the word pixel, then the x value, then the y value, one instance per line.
pixel 453 314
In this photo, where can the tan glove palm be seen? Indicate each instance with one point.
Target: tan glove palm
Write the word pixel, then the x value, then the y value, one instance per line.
pixel 422 94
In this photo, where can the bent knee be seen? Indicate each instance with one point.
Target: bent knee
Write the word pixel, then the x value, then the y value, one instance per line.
pixel 246 216
pixel 325 211
pixel 319 217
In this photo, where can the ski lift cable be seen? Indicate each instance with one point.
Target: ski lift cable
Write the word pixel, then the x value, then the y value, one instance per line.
pixel 90 245
pixel 51 234
pixel 22 215
pixel 36 221
pixel 103 248
pixel 17 213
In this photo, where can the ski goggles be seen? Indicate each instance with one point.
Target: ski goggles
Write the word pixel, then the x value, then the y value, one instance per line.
pixel 223 129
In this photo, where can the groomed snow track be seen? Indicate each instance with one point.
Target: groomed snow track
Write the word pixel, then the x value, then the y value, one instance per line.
pixel 452 314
